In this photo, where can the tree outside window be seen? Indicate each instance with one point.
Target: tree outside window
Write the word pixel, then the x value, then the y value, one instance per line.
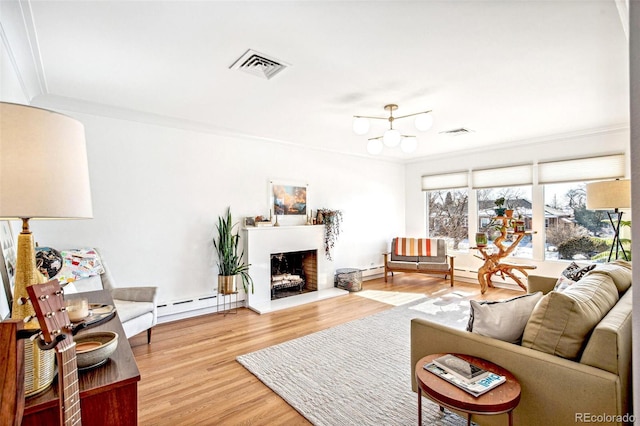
pixel 572 231
pixel 448 217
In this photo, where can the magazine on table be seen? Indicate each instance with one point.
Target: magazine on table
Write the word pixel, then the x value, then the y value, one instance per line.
pixel 460 368
pixel 476 388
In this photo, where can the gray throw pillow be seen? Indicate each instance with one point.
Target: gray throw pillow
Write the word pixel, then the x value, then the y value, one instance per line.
pixel 503 320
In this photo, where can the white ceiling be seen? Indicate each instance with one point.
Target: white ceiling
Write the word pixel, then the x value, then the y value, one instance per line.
pixel 511 71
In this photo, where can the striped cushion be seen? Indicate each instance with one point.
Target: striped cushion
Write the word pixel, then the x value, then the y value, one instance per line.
pixel 417 247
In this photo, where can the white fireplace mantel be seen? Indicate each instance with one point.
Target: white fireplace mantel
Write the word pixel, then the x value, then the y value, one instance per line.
pixel 261 242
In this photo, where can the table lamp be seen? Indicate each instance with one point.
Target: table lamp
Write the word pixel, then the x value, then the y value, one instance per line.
pixel 44 174
pixel 611 195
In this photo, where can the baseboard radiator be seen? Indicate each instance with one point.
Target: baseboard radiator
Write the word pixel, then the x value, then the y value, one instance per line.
pixel 187 308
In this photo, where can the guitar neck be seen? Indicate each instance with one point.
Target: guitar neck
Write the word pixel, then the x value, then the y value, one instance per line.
pixel 48 304
pixel 68 386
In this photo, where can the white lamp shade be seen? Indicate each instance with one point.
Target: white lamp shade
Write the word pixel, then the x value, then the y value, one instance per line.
pixel 609 195
pixel 43 165
pixel 409 144
pixel 391 138
pixel 423 122
pixel 374 146
pixel 360 125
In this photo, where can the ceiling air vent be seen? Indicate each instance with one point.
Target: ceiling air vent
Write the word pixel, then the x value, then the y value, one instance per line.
pixel 457 132
pixel 258 64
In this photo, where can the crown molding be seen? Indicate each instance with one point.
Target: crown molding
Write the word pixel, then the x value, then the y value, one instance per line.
pixel 20 40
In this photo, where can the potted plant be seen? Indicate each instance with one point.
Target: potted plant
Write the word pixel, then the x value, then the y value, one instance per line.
pixel 230 262
pixel 481 239
pixel 500 209
pixel 331 220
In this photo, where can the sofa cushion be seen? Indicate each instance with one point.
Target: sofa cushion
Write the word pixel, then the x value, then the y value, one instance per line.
pixel 430 266
pixel 439 256
pixel 571 275
pixel 561 321
pixel 398 257
pixel 402 265
pixel 503 320
pixel 609 346
pixel 619 271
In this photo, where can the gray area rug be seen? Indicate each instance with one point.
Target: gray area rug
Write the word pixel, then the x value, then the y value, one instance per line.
pixel 358 373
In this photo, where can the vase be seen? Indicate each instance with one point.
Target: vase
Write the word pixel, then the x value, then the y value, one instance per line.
pixel 481 239
pixel 500 211
pixel 508 213
pixel 227 284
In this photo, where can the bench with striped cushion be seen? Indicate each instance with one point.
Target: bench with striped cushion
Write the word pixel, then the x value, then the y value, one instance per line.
pixel 428 255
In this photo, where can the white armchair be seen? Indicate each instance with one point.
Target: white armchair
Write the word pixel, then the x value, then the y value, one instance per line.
pixel 136 306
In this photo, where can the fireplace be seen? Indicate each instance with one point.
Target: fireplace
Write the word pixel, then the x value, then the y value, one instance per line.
pixel 293 273
pixel 264 241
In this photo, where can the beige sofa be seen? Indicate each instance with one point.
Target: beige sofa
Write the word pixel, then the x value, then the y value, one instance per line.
pixel 594 388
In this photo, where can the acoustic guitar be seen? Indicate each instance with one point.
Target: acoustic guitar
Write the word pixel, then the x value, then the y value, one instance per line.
pixel 48 303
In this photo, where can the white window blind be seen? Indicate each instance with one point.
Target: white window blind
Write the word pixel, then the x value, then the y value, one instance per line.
pixel 582 169
pixel 504 176
pixel 445 181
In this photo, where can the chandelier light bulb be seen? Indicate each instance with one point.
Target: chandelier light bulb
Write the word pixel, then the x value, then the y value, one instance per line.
pixel 409 144
pixel 360 125
pixel 374 146
pixel 424 122
pixel 391 138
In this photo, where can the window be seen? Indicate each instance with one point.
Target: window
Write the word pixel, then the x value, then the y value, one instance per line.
pixel 517 198
pixel 572 231
pixel 448 217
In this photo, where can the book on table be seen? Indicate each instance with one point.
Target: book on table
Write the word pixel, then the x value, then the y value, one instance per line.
pixel 460 368
pixel 475 387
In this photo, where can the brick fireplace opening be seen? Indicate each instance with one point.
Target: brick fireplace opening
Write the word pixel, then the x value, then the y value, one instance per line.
pixel 293 273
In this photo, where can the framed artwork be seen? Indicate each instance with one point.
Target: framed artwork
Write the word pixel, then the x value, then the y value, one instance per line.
pixel 249 221
pixel 289 199
pixel 8 261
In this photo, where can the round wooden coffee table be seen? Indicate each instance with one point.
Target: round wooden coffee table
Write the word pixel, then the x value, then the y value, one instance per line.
pixel 501 399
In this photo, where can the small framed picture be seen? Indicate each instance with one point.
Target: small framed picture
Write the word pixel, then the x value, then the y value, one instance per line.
pixel 249 221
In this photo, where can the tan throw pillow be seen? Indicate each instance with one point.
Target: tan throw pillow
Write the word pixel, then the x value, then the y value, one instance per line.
pixel 503 320
pixel 560 322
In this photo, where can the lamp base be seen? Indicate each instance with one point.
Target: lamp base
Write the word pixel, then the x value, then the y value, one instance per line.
pixel 39 365
pixel 617 244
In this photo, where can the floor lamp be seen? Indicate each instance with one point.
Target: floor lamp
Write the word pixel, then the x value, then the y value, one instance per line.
pixel 611 195
pixel 44 174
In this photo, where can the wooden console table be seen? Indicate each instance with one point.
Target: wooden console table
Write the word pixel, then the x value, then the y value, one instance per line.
pixel 108 394
pixel 493 263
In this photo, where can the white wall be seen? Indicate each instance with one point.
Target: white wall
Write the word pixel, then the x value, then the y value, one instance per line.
pixel 157 192
pixel 600 143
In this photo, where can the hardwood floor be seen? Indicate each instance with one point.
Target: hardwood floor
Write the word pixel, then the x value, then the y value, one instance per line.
pixel 190 375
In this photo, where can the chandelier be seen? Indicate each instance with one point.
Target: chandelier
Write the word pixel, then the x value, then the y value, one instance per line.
pixel 392 137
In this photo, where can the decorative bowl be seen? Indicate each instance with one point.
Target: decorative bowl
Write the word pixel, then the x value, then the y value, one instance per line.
pixel 93 349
